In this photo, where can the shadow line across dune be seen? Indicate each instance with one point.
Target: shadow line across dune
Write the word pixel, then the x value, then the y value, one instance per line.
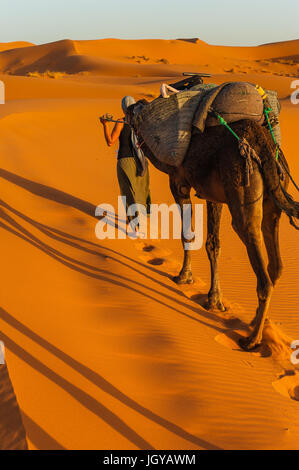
pixel 90 375
pixel 38 436
pixel 49 193
pixel 79 395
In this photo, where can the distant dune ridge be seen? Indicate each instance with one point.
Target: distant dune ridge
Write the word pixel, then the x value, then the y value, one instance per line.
pixel 145 57
pixel 4 46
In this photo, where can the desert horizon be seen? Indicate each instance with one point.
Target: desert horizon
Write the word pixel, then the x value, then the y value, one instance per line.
pixel 103 349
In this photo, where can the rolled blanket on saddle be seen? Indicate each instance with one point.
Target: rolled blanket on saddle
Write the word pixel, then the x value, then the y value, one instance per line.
pixel 166 124
pixel 233 101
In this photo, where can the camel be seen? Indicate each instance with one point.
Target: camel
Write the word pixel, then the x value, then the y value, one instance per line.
pixel 214 168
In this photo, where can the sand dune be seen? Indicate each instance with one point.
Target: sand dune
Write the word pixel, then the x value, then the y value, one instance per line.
pixel 147 57
pixel 4 46
pixel 193 40
pixel 104 350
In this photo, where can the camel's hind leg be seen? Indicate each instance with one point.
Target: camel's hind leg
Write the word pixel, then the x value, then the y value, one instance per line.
pixel 270 228
pixel 246 207
pixel 213 250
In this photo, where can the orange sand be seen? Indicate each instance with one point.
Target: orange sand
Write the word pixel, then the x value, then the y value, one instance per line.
pixel 104 350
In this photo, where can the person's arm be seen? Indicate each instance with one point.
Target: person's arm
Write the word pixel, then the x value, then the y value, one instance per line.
pixel 112 137
pixel 165 88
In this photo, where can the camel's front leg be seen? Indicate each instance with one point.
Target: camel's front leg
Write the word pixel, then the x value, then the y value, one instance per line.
pixel 185 276
pixel 213 250
pixel 181 194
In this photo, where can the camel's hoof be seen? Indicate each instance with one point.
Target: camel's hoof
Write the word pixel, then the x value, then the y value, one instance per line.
pixel 249 344
pixel 212 305
pixel 183 279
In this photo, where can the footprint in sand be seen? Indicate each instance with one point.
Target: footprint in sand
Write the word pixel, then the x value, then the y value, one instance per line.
pixel 154 255
pixel 148 248
pixel 151 248
pixel 288 385
pixel 156 261
pixel 229 319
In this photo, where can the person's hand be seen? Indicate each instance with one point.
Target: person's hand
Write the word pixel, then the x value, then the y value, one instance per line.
pixel 103 119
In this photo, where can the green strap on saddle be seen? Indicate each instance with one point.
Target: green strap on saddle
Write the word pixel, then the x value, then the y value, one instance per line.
pixel 224 123
pixel 266 112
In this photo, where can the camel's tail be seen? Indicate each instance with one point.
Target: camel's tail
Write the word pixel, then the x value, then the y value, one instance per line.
pixel 276 176
pixel 288 205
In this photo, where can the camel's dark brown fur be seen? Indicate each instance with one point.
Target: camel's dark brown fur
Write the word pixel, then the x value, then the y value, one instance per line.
pixel 214 168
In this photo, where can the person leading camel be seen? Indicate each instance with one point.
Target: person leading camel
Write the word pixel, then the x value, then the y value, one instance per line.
pixel 133 179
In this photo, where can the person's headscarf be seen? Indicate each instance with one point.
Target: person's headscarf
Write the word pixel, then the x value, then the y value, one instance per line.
pixel 126 102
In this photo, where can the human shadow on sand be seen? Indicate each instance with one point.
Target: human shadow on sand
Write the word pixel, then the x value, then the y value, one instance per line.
pixel 59 196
